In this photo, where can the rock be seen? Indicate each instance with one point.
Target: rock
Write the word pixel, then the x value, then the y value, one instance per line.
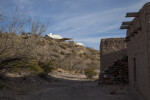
pixel 115 74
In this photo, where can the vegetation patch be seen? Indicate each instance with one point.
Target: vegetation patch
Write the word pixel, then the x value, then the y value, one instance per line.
pixel 1 86
pixel 90 72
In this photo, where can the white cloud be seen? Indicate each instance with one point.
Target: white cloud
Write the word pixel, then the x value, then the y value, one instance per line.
pixel 91 23
pixel 78 24
pixel 98 22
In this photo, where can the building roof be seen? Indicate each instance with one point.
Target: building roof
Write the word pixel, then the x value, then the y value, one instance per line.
pixel 81 44
pixel 54 36
pixel 51 35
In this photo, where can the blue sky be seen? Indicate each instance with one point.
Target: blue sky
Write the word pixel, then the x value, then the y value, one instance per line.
pixel 86 21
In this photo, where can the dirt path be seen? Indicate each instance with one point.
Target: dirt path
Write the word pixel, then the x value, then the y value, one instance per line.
pixel 77 89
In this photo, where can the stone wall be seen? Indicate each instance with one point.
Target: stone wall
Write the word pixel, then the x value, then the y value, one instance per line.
pixel 138 50
pixel 111 50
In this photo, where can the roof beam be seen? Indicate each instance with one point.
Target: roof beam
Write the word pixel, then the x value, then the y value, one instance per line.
pixel 132 14
pixel 127 23
pixel 125 27
pixel 66 39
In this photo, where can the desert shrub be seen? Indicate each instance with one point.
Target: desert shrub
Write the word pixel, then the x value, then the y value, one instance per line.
pixel 63 46
pixel 33 67
pixel 58 41
pixel 29 66
pixel 25 37
pixel 93 53
pixel 65 67
pixel 62 53
pixel 90 48
pixel 68 54
pixel 41 42
pixel 55 50
pixel 80 55
pixel 1 34
pixel 74 52
pixel 71 44
pixel 48 38
pixel 36 69
pixel 87 56
pixel 90 72
pixel 50 41
pixel 1 86
pixel 24 33
pixel 48 66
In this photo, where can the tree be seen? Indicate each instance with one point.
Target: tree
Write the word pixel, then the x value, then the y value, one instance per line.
pixel 14 47
pixel 38 28
pixel 1 17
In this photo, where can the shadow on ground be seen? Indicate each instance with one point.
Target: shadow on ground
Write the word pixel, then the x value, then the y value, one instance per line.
pixel 51 88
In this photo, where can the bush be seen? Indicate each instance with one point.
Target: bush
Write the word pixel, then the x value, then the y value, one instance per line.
pixel 62 53
pixel 63 46
pixel 1 86
pixel 33 66
pixel 29 66
pixel 90 72
pixel 55 50
pixel 41 42
pixel 48 66
pixel 74 52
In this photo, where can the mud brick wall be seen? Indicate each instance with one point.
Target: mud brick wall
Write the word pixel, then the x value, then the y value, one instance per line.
pixel 111 50
pixel 138 51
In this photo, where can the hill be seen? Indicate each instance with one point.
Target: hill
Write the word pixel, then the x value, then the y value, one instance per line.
pixel 32 54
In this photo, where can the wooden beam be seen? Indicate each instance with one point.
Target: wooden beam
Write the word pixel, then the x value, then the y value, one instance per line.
pixel 127 23
pixel 66 39
pixel 132 14
pixel 125 27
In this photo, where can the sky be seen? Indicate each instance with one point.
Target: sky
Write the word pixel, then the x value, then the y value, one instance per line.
pixel 86 21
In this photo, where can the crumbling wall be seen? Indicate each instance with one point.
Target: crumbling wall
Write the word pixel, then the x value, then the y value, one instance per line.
pixel 111 49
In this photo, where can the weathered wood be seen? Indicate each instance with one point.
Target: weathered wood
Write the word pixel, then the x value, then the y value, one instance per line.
pixel 125 27
pixel 127 23
pixel 66 39
pixel 132 14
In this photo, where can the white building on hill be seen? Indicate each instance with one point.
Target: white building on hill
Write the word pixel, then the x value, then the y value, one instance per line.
pixel 51 35
pixel 80 44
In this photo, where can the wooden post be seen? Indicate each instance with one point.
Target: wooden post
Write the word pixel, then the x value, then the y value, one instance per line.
pixel 127 23
pixel 125 27
pixel 132 14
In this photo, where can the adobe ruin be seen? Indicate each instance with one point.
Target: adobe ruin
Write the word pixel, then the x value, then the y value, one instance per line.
pixel 111 49
pixel 138 50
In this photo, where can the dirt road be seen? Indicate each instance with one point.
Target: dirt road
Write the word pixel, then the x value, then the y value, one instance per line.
pixel 65 89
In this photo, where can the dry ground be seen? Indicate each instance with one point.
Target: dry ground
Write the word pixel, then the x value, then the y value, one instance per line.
pixel 65 86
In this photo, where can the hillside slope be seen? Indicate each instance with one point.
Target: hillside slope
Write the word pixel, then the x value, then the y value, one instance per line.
pixel 22 51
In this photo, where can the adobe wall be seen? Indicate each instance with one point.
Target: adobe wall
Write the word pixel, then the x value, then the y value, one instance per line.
pixel 111 49
pixel 138 50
